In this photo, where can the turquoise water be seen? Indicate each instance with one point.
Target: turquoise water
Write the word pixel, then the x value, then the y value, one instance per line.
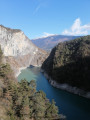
pixel 73 106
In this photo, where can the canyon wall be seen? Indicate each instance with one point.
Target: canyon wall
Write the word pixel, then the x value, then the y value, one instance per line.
pixel 18 50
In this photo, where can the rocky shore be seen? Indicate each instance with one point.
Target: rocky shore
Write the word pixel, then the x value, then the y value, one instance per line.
pixel 66 87
pixel 19 71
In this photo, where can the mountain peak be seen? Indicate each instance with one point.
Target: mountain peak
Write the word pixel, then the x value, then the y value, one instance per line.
pixel 9 29
pixel 14 42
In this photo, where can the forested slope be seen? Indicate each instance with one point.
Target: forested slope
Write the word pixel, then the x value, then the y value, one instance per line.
pixel 69 62
pixel 21 101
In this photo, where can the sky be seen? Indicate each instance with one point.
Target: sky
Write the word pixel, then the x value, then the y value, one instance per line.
pixel 38 18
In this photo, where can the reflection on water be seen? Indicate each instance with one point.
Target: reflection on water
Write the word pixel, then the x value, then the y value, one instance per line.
pixel 73 106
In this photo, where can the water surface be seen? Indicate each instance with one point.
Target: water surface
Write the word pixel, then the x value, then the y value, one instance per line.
pixel 73 106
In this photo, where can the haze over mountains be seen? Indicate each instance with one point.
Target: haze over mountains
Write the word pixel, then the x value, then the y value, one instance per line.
pixel 47 43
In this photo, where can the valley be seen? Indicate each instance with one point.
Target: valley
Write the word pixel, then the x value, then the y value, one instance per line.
pixel 62 69
pixel 44 59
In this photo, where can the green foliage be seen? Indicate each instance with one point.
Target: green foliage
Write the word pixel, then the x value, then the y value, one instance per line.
pixel 52 111
pixel 69 62
pixel 4 70
pixel 32 84
pixel 26 103
pixel 21 100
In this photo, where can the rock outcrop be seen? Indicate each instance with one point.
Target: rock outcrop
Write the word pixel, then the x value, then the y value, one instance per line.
pixel 18 50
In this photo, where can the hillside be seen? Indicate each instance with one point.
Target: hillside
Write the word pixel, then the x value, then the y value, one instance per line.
pixel 21 100
pixel 47 43
pixel 69 63
pixel 19 50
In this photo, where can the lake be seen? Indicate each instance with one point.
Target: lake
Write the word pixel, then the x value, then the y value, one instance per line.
pixel 73 106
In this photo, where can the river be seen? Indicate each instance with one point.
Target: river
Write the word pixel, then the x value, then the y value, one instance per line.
pixel 73 106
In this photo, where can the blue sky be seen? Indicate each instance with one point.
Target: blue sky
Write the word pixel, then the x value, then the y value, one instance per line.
pixel 37 18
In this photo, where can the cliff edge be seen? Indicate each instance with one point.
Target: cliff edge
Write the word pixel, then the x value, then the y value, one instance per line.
pixel 18 50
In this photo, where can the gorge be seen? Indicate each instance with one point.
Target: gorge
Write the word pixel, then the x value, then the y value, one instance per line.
pixel 21 100
pixel 21 53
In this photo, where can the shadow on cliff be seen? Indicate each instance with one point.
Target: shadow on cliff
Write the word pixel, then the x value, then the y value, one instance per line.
pixel 75 74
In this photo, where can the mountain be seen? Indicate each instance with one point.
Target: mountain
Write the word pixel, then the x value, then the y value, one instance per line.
pixel 68 66
pixel 19 50
pixel 47 43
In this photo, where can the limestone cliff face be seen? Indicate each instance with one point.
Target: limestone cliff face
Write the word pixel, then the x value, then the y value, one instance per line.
pixel 19 50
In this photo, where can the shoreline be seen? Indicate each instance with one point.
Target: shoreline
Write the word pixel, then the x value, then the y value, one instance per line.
pixel 63 86
pixel 22 68
pixel 19 71
pixel 66 87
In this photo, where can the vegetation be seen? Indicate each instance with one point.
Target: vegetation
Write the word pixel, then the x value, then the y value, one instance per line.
pixel 21 101
pixel 69 62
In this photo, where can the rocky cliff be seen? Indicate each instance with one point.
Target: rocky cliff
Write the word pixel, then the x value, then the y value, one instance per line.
pixel 18 50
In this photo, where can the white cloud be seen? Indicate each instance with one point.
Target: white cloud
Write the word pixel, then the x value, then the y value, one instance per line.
pixel 77 28
pixel 44 35
pixel 36 9
pixel 41 4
